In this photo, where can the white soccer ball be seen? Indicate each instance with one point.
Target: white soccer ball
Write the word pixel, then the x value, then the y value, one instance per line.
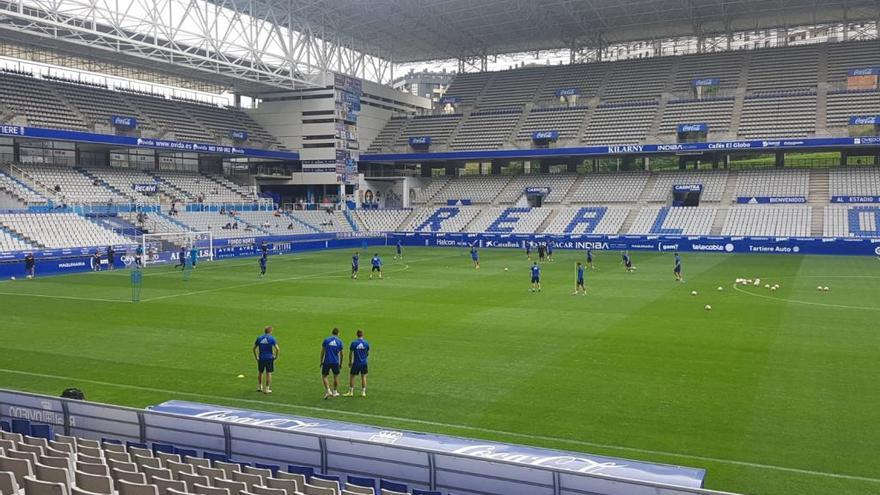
pixel 766 286
pixel 819 288
pixel 708 308
pixel 693 293
pixel 505 268
pixel 11 278
pixel 773 288
pixel 720 288
pixel 749 281
pixel 825 289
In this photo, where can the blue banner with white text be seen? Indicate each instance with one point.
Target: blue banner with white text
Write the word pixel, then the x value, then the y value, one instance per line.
pixel 765 200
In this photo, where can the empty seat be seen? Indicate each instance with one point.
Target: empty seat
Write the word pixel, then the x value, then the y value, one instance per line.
pixel 126 488
pixel 33 486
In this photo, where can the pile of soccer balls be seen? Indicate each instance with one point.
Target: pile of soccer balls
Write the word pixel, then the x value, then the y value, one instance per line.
pixel 756 283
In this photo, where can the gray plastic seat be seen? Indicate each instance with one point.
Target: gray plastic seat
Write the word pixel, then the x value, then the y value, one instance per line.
pixel 94 483
pixel 126 488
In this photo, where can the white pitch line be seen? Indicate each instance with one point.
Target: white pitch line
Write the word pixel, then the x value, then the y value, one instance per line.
pixel 755 465
pixel 796 301
pixel 71 298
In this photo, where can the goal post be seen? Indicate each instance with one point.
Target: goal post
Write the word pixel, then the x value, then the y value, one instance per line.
pixel 161 248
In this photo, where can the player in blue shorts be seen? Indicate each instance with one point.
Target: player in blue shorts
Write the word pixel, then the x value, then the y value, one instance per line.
pixel 475 257
pixel 676 269
pixel 536 278
pixel 377 266
pixel 265 352
pixel 529 250
pixel 358 353
pixel 550 251
pixel 627 262
pixel 579 287
pixel 263 259
pixel 193 256
pixel 139 256
pixel 331 360
pixel 355 264
pixel 399 254
pixel 590 259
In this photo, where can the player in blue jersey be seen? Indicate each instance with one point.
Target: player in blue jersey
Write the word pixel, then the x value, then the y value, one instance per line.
pixel 376 263
pixel 193 256
pixel 529 250
pixel 627 262
pixel 536 278
pixel 579 287
pixel 676 269
pixel 355 264
pixel 139 256
pixel 475 256
pixel 399 254
pixel 549 250
pixel 590 259
pixel 331 360
pixel 358 353
pixel 265 352
pixel 263 259
pixel 181 258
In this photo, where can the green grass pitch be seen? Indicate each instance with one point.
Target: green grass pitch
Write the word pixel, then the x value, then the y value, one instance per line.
pixel 772 392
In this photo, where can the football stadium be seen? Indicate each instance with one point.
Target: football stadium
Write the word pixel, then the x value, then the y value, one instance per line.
pixel 453 247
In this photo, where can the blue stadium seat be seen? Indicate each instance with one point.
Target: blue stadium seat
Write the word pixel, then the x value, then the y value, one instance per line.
pixel 43 431
pixel 303 470
pixel 185 452
pixel 271 467
pixel 416 491
pixel 22 426
pixel 361 481
pixel 392 486
pixel 215 457
pixel 111 440
pixel 163 447
pixel 329 477
pixel 5 426
pixel 137 445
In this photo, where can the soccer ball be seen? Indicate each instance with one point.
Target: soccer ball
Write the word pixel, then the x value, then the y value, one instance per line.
pixel 11 278
pixel 720 288
pixel 505 268
pixel 773 288
pixel 708 308
pixel 29 277
pixel 693 293
pixel 749 281
pixel 766 286
pixel 825 289
pixel 819 288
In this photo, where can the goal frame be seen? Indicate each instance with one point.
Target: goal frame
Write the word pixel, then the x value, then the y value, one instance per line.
pixel 187 236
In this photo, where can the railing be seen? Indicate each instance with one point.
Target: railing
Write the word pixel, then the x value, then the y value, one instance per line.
pixel 379 455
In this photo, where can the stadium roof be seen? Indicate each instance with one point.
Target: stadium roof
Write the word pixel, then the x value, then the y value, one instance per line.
pixel 420 30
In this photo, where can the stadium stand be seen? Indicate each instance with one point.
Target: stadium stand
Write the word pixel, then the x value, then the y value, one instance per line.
pixel 19 190
pixel 844 104
pixel 600 220
pixel 637 79
pixel 54 464
pixel 388 134
pixel 477 189
pixel 430 189
pixel 585 78
pixel 851 55
pixel 59 230
pixel 713 183
pixel 9 242
pixel 275 223
pixel 439 127
pixel 674 221
pixel 559 185
pixel 778 115
pixel 486 130
pixel 854 181
pixel 567 121
pixel 787 68
pixel 725 66
pixel 621 123
pixel 468 87
pixel 509 220
pixel 610 188
pixel 512 88
pixel 98 105
pixel 381 220
pixel 717 113
pixel 200 188
pixel 33 99
pixel 71 185
pixel 123 180
pixel 215 222
pixel 323 221
pixel 755 183
pixel 778 221
pixel 454 218
pixel 852 221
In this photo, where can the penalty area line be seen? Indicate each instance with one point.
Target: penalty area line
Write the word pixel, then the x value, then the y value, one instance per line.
pixel 477 429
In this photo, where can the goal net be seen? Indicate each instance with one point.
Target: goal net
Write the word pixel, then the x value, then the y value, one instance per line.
pixel 165 247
